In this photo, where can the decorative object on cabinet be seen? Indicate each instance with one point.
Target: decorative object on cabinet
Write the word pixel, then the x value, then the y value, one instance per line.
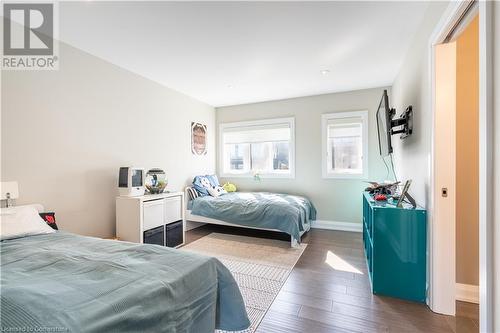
pixel 382 188
pixel 151 219
pixel 156 181
pixel 405 195
pixel 131 181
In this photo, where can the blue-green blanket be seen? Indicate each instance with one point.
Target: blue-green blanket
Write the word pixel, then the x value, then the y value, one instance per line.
pixel 288 213
pixel 67 283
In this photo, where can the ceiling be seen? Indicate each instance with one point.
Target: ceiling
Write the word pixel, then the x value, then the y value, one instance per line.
pixel 227 53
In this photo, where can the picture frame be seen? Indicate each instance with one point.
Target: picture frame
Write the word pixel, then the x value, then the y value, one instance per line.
pixel 198 139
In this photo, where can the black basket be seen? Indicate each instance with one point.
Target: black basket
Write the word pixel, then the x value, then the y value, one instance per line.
pixel 174 234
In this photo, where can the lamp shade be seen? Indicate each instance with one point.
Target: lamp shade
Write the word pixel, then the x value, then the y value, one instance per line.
pixel 11 188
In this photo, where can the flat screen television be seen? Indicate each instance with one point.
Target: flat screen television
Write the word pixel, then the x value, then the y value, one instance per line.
pixel 384 116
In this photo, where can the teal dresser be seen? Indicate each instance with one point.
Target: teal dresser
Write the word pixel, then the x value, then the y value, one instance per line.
pixel 395 247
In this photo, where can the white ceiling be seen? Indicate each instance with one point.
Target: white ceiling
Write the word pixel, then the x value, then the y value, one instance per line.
pixel 226 53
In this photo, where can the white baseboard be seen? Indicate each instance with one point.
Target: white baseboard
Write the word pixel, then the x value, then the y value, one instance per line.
pixel 335 225
pixel 318 224
pixel 467 293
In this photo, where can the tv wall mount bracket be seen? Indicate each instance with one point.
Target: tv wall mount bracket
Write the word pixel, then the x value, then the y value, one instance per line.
pixel 405 123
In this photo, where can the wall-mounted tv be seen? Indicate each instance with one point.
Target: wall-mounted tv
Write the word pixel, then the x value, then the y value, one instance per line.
pixel 384 126
pixel 386 123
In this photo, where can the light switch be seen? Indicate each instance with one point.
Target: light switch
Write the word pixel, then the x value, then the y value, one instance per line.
pixel 444 192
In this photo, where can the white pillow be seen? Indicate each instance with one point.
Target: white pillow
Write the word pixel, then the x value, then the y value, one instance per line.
pixel 215 191
pixel 16 222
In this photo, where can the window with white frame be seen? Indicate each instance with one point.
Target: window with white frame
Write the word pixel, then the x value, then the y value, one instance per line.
pixel 263 147
pixel 345 144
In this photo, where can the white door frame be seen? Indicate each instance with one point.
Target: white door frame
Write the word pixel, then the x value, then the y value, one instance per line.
pixel 442 300
pixel 486 166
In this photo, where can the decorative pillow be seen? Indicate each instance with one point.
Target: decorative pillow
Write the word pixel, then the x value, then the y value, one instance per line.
pixel 214 181
pixel 50 219
pixel 22 221
pixel 216 191
pixel 202 184
pixel 229 187
pixel 193 194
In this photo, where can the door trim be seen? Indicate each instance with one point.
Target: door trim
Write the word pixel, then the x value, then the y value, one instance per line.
pixel 486 181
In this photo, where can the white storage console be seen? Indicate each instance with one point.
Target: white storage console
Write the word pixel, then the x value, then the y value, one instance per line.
pixel 152 219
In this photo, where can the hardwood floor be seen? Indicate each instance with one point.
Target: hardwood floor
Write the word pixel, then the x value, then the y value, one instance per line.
pixel 329 291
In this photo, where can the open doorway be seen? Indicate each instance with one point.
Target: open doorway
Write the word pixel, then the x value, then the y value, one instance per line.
pixel 467 171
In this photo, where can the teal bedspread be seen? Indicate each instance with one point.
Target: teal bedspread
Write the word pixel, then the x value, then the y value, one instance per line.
pixel 288 213
pixel 67 283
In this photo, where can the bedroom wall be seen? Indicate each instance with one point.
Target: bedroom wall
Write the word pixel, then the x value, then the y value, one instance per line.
pixel 65 133
pixel 336 200
pixel 411 87
pixel 412 156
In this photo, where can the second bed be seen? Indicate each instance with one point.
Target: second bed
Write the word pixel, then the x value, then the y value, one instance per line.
pixel 285 213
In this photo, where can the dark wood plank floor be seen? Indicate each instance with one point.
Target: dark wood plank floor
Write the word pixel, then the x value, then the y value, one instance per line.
pixel 317 297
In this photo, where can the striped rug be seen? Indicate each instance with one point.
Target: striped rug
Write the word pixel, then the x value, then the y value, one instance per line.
pixel 260 267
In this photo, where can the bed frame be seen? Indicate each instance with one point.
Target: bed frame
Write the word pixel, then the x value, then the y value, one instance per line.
pixel 203 219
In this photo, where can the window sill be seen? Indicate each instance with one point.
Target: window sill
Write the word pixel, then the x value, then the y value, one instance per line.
pixel 266 176
pixel 345 176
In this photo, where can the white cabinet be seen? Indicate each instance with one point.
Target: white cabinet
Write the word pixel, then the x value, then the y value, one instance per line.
pixel 155 219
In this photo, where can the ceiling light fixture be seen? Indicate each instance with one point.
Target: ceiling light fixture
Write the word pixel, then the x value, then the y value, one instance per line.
pixel 230 86
pixel 325 72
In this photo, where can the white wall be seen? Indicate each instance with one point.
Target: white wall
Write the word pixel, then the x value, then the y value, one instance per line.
pixel 411 87
pixel 65 134
pixel 412 157
pixel 335 199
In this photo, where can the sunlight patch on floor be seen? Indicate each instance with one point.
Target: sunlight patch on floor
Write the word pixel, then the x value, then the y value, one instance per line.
pixel 340 264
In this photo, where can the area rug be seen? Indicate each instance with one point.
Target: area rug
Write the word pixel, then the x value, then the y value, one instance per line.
pixel 260 267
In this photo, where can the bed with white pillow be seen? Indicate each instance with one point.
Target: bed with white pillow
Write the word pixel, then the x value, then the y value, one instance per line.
pixel 66 282
pixel 290 214
pixel 23 221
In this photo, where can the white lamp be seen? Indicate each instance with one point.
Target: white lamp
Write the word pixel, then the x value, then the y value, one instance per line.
pixel 8 191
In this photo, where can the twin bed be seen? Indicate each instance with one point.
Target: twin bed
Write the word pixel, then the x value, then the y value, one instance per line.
pixel 62 282
pixel 285 213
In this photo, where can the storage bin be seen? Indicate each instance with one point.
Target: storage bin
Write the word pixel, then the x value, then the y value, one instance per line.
pixel 155 236
pixel 174 234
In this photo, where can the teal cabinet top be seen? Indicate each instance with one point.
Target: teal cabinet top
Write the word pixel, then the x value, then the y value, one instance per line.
pixel 389 203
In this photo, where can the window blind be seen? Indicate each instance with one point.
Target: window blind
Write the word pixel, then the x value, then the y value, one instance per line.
pixel 255 134
pixel 344 130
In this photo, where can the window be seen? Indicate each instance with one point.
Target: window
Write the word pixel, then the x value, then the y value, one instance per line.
pixel 264 147
pixel 345 144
